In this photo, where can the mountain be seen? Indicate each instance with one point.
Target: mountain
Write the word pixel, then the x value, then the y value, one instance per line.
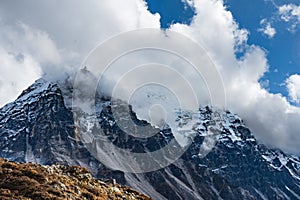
pixel 223 160
pixel 33 181
pixel 38 127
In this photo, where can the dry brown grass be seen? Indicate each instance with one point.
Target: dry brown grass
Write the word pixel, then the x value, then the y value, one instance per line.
pixel 57 182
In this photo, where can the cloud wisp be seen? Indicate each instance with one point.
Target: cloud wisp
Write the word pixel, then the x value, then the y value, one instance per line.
pixel 290 13
pixel 267 29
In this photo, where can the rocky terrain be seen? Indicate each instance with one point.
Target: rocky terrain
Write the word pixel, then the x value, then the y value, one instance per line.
pixel 33 181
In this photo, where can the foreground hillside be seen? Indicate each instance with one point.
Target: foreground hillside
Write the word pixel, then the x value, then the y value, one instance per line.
pixel 34 181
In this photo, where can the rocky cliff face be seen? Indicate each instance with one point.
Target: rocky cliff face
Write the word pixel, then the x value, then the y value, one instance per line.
pixel 38 127
pixel 224 160
pixel 34 181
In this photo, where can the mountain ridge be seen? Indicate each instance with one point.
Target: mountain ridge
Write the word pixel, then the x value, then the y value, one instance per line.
pixel 228 164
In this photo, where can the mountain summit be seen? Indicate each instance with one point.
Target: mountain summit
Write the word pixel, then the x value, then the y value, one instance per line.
pixel 224 160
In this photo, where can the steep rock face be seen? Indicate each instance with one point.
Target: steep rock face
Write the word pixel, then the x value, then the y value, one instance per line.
pixel 184 179
pixel 237 157
pixel 224 160
pixel 37 127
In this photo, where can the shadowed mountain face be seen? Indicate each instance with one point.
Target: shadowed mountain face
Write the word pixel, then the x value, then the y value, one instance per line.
pixel 37 127
pixel 224 160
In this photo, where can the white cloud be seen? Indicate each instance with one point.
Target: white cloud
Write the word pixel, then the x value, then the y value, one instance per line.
pixel 77 31
pixel 56 36
pixel 17 73
pixel 23 38
pixel 26 53
pixel 293 86
pixel 70 33
pixel 290 13
pixel 267 29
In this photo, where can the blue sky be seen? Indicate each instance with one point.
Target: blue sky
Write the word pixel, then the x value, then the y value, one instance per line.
pixel 283 49
pixel 171 11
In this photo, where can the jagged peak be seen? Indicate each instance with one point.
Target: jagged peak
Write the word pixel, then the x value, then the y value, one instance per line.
pixel 39 86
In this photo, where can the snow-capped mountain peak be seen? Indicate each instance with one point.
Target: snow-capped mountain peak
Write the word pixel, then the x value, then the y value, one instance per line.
pixel 223 159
